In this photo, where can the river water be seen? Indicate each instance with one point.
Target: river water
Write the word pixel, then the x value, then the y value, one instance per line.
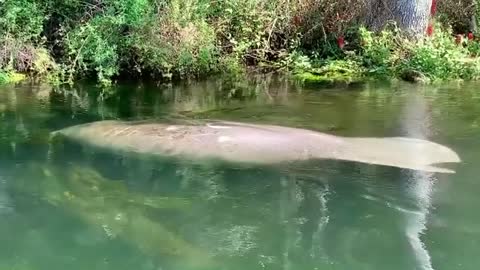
pixel 68 206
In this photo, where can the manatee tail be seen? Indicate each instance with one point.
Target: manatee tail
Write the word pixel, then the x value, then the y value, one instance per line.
pixel 400 152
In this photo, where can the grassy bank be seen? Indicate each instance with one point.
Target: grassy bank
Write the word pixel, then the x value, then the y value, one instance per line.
pixel 64 41
pixel 11 77
pixel 390 55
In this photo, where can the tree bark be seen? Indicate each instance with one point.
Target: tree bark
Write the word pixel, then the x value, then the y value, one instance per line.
pixel 473 18
pixel 411 16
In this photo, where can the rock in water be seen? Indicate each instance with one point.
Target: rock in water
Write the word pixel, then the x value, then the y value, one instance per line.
pixel 259 144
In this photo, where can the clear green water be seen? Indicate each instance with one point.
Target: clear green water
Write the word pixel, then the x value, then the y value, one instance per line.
pixel 78 208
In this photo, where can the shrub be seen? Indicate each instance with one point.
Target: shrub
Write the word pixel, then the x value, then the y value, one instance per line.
pixel 184 38
pixel 379 53
pixel 22 20
pixel 458 13
pixel 164 47
pixel 390 54
pixel 21 42
pixel 440 58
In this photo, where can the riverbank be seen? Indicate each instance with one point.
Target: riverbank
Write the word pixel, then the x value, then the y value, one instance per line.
pixel 170 40
pixel 440 57
pixel 389 55
pixel 11 77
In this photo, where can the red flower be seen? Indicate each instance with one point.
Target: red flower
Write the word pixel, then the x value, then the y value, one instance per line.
pixel 470 36
pixel 297 20
pixel 341 42
pixel 430 30
pixel 433 8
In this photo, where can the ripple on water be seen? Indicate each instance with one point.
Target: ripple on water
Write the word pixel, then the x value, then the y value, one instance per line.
pixel 5 202
pixel 237 240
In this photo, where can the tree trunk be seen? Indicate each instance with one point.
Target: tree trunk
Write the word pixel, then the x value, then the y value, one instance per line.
pixel 473 17
pixel 411 16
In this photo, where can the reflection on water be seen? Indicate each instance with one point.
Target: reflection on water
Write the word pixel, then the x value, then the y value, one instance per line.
pixel 5 206
pixel 416 124
pixel 66 205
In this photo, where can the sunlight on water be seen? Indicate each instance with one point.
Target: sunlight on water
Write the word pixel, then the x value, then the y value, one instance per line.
pixel 65 205
pixel 416 124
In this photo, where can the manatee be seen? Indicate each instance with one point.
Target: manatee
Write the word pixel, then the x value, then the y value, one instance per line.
pixel 245 143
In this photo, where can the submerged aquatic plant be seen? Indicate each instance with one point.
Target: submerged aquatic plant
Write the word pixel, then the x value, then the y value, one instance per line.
pixel 111 207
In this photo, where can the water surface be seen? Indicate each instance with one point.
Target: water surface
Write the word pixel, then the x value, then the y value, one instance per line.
pixel 67 206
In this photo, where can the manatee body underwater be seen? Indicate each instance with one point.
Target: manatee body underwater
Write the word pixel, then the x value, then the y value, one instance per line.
pixel 258 144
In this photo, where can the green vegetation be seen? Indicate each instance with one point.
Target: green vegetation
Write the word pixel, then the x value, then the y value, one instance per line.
pixel 64 41
pixel 391 55
pixel 162 39
pixel 10 77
